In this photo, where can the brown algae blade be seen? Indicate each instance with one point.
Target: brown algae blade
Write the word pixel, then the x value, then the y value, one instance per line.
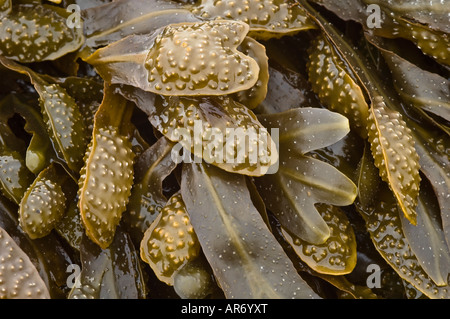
pixel 107 176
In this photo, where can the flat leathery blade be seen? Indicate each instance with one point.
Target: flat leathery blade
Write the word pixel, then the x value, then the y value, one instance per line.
pixel 170 242
pixel 302 181
pixel 147 198
pixel 246 259
pixel 219 130
pixel 33 33
pixel 14 176
pixel 110 273
pixel 105 184
pixel 256 94
pixel 395 156
pixel 269 18
pixel 200 59
pixel 334 85
pixel 136 17
pixel 19 278
pixel 434 43
pixel 66 126
pixel 43 204
pixel 337 255
pixel 384 226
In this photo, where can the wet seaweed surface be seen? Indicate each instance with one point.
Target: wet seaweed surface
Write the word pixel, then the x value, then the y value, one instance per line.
pixel 219 149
